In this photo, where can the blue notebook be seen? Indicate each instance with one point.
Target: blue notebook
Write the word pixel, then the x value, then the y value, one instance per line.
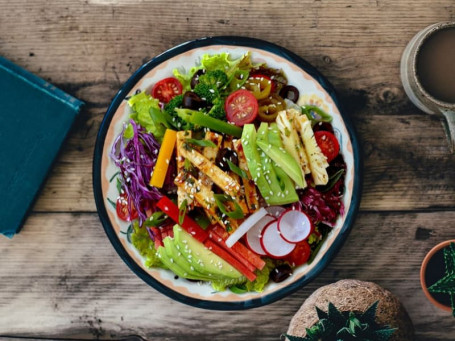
pixel 35 119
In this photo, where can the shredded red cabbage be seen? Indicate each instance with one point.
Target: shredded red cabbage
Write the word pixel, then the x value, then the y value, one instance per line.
pixel 322 207
pixel 150 232
pixel 136 158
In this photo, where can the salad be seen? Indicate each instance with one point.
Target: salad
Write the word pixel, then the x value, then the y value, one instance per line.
pixel 227 174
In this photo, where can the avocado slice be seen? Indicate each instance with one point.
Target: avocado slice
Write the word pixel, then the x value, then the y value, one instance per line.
pixel 173 253
pixel 274 136
pixel 267 166
pixel 253 159
pixel 260 165
pixel 282 189
pixel 173 266
pixel 285 181
pixel 201 258
pixel 274 150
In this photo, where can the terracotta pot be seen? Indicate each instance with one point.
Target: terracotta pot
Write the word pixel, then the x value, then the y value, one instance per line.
pixel 423 270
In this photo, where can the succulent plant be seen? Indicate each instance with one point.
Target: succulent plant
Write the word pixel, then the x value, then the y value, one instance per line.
pixel 338 325
pixel 446 285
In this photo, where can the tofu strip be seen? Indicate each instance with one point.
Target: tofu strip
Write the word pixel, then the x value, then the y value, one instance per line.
pixel 292 143
pixel 210 153
pixel 181 193
pixel 230 186
pixel 317 160
pixel 203 195
pixel 240 197
pixel 248 184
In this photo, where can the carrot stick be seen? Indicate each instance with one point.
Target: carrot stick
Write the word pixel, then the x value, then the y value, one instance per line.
pixel 217 239
pixel 231 260
pixel 239 248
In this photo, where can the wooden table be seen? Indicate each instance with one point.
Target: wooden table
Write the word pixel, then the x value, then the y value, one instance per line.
pixel 61 277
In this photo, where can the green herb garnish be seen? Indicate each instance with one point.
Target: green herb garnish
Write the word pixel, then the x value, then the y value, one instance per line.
pixel 237 170
pixel 333 180
pixel 182 211
pixel 202 220
pixel 187 165
pixel 201 143
pixel 156 219
pixel 221 199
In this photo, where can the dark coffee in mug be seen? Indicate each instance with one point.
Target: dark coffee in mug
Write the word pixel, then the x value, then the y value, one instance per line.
pixel 435 65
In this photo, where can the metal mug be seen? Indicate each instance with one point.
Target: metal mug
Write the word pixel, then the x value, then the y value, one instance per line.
pixel 414 89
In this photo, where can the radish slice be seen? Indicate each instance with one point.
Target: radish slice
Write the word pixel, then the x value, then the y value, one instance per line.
pixel 294 226
pixel 273 244
pixel 275 210
pixel 253 236
pixel 245 226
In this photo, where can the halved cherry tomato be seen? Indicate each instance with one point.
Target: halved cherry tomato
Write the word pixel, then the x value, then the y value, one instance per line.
pixel 241 107
pixel 166 89
pixel 259 85
pixel 328 143
pixel 270 107
pixel 122 208
pixel 300 254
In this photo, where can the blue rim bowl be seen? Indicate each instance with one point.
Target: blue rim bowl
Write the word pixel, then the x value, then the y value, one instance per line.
pixel 100 200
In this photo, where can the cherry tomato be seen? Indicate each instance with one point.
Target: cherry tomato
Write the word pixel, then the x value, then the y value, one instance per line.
pixel 259 85
pixel 270 107
pixel 328 144
pixel 166 89
pixel 300 254
pixel 122 208
pixel 241 107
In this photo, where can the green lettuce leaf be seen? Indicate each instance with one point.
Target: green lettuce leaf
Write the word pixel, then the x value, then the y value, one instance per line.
pixel 223 284
pixel 210 62
pixel 129 132
pixel 146 247
pixel 262 277
pixel 220 61
pixel 245 63
pixel 142 103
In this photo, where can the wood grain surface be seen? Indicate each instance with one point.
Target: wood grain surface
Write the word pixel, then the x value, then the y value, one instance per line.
pixel 60 277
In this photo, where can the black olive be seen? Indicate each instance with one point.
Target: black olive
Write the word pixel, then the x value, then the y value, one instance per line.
pixel 223 156
pixel 280 273
pixel 195 78
pixel 290 92
pixel 323 126
pixel 192 101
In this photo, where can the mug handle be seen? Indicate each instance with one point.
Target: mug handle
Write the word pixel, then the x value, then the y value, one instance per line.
pixel 449 126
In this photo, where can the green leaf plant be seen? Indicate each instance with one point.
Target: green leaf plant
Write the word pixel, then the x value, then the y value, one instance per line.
pixel 446 285
pixel 335 325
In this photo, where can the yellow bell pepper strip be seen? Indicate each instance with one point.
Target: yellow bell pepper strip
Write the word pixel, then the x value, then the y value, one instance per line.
pixel 164 157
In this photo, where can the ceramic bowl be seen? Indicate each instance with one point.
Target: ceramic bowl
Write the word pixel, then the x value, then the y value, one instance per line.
pixel 300 74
